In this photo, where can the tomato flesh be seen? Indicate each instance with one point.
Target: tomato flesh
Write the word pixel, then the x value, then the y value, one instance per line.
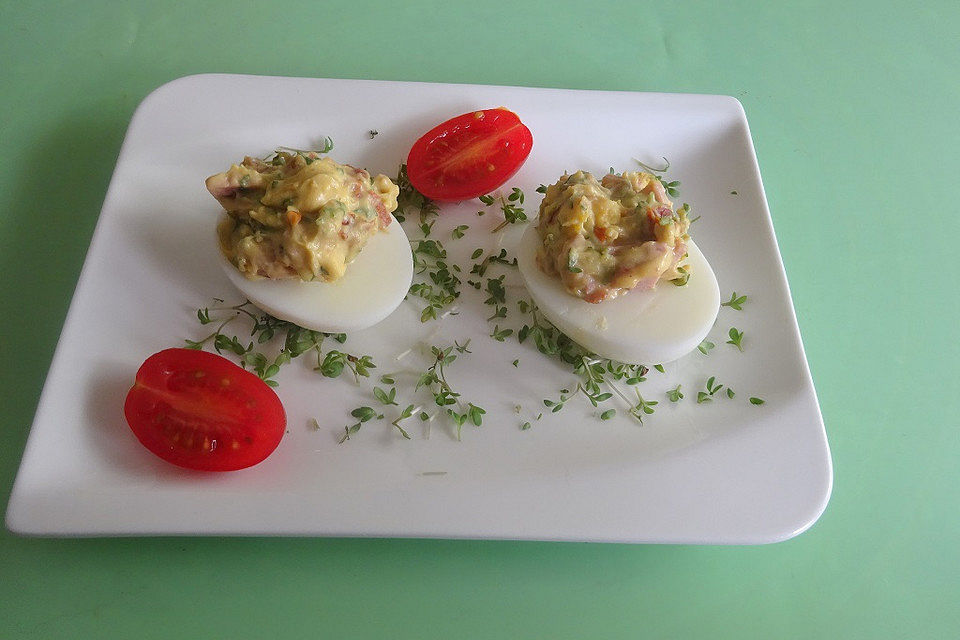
pixel 200 411
pixel 469 156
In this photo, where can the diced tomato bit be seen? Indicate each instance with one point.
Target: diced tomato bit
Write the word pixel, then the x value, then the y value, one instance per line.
pixel 382 212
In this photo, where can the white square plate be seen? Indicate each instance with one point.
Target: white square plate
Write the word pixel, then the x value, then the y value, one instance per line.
pixel 726 471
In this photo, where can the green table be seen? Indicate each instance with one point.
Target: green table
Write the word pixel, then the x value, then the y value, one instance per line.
pixel 853 108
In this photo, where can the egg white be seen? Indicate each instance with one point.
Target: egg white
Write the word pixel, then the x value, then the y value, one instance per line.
pixel 650 327
pixel 374 284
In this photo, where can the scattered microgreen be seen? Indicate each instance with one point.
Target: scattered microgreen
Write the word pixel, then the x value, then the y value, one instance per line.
pixel 480 268
pixel 327 145
pixel 711 388
pixel 349 431
pixel 278 158
pixel 459 231
pixel 735 302
pixel 736 338
pixel 224 343
pixel 437 284
pixel 428 313
pixel 442 287
pixel 609 413
pixel 434 379
pixel 757 401
pixel 675 395
pixel 409 199
pixel 672 188
pixel 263 367
pixel 497 292
pixel 373 133
pixel 385 397
pixel 658 367
pixel 406 413
pixel 501 334
pixel 501 312
pixel 705 346
pixel 730 393
pixel 642 407
pixel 593 371
pixel 557 405
pixel 593 396
pixel 476 414
pixel 264 327
pixel 335 361
pixel 510 206
pixel 362 414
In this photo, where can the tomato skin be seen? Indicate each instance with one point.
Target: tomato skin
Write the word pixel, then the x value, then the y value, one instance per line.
pixel 200 411
pixel 469 155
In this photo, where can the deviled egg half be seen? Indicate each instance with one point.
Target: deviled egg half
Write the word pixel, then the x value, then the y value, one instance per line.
pixel 312 241
pixel 611 264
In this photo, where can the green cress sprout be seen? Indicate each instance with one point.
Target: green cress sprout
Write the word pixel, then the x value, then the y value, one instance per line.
pixel 736 338
pixel 509 206
pixel 735 302
pixel 675 395
pixel 711 389
pixel 297 341
pixel 435 380
pixel 672 188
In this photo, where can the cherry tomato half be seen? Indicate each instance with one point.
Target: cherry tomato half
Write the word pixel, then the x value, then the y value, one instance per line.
pixel 198 410
pixel 469 156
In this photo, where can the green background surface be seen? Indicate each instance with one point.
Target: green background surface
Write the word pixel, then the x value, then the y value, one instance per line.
pixel 854 111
